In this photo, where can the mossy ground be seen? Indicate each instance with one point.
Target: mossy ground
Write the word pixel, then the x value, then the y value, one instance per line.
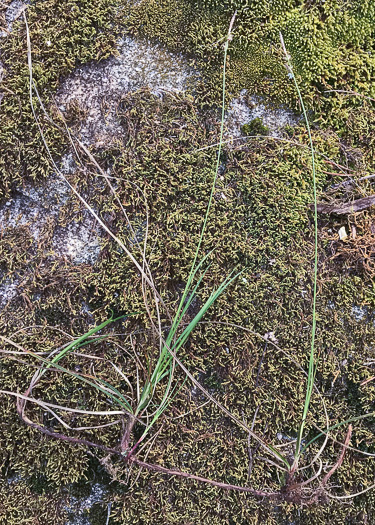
pixel 260 221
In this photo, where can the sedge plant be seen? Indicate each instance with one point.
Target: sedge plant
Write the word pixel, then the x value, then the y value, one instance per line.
pixel 145 408
pixel 300 448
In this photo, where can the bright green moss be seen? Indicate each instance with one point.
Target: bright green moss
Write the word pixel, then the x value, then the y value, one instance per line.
pixel 331 43
pixel 255 127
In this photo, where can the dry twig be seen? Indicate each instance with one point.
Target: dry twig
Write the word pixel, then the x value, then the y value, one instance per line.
pixel 346 208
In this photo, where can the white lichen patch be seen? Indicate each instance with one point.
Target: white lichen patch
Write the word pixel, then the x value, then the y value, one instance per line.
pixel 96 88
pixel 79 508
pixel 32 205
pixel 8 290
pixel 243 110
pixel 78 241
pixel 359 312
pixel 35 206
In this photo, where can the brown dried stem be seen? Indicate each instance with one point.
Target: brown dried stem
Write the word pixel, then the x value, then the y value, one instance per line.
pixel 21 403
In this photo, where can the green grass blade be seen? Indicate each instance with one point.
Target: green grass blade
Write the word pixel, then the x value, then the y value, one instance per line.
pixel 312 364
pixel 337 425
pixel 193 266
pixel 121 400
pixel 78 342
pixel 179 315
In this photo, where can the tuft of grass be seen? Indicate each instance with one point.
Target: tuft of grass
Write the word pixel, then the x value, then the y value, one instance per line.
pixel 163 370
pixel 144 408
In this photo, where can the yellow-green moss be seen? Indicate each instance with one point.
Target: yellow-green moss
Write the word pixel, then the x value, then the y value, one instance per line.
pixel 331 43
pixel 260 220
pixel 20 506
pixel 78 31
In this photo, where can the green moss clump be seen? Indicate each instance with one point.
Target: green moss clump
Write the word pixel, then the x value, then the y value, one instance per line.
pixel 254 127
pixel 331 44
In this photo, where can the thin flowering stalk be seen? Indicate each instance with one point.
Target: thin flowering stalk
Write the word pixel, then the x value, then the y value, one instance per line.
pixel 312 363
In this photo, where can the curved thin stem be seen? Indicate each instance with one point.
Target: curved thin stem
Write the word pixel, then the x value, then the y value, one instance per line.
pixel 312 364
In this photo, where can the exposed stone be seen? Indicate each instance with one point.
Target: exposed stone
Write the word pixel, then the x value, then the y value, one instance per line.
pixel 80 507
